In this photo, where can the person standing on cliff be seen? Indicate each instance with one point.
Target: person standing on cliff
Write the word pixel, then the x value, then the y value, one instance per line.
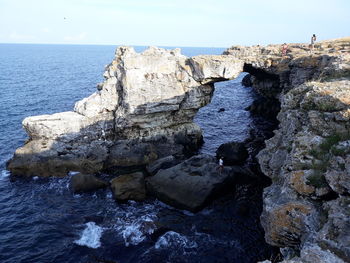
pixel 313 40
pixel 284 49
pixel 221 164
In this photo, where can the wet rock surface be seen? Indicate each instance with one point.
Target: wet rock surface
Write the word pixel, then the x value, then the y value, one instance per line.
pixel 129 187
pixel 86 183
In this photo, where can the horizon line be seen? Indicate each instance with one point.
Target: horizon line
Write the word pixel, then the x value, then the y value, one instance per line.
pixel 89 44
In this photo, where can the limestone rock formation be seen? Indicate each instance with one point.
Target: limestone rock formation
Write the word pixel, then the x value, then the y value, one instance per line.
pixel 306 207
pixel 144 108
pixel 144 111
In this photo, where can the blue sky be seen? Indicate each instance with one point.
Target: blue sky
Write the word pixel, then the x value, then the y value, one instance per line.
pixel 201 23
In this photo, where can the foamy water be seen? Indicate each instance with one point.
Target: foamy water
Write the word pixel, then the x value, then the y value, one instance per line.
pixel 90 236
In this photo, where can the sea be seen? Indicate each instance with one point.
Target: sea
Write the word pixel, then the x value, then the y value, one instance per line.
pixel 41 220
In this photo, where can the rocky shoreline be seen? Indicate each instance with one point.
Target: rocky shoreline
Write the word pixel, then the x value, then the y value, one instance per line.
pixel 142 117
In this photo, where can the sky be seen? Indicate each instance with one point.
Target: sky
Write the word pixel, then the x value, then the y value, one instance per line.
pixel 191 23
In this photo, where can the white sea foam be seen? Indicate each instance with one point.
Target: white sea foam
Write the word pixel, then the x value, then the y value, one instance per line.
pixel 174 240
pixel 136 221
pixel 4 174
pixel 136 230
pixel 91 236
pixel 109 195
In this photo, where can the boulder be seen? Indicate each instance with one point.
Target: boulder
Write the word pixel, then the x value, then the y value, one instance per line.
pixel 129 187
pixel 162 163
pixel 233 153
pixel 191 184
pixel 86 183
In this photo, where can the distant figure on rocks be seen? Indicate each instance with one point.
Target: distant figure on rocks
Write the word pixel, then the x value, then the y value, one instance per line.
pixel 221 164
pixel 313 40
pixel 284 49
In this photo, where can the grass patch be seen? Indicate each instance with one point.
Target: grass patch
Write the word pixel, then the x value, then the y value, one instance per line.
pixel 329 141
pixel 335 75
pixel 339 151
pixel 322 155
pixel 317 180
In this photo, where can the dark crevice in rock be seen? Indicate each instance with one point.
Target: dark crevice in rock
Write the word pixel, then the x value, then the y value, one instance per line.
pixel 259 73
pixel 331 195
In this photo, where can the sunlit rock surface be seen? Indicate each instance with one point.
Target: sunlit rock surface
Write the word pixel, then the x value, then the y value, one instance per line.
pixel 142 111
pixel 306 209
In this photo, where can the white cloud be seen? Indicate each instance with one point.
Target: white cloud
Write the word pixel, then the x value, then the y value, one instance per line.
pixel 80 36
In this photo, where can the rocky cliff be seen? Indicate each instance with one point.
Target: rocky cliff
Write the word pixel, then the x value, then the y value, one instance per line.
pixel 307 207
pixel 141 112
pixel 145 107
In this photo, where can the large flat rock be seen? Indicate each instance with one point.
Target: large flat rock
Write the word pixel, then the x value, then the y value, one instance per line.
pixel 191 184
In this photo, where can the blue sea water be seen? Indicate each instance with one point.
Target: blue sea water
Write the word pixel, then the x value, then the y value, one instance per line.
pixel 42 221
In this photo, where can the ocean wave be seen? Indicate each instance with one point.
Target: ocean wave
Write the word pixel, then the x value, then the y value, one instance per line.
pixel 90 236
pixel 173 239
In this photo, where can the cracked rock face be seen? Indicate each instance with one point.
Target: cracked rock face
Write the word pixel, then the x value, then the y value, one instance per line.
pixel 149 97
pixel 307 206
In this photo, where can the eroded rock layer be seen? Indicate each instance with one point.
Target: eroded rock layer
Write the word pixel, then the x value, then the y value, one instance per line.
pixel 306 209
pixel 141 112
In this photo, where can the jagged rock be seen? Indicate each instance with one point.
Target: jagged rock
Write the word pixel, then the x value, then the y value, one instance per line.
pixel 191 184
pixel 233 153
pixel 307 160
pixel 86 183
pixel 145 98
pixel 129 187
pixel 285 222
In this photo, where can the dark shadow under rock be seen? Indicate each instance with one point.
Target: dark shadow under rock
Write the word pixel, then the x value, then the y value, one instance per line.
pixel 247 81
